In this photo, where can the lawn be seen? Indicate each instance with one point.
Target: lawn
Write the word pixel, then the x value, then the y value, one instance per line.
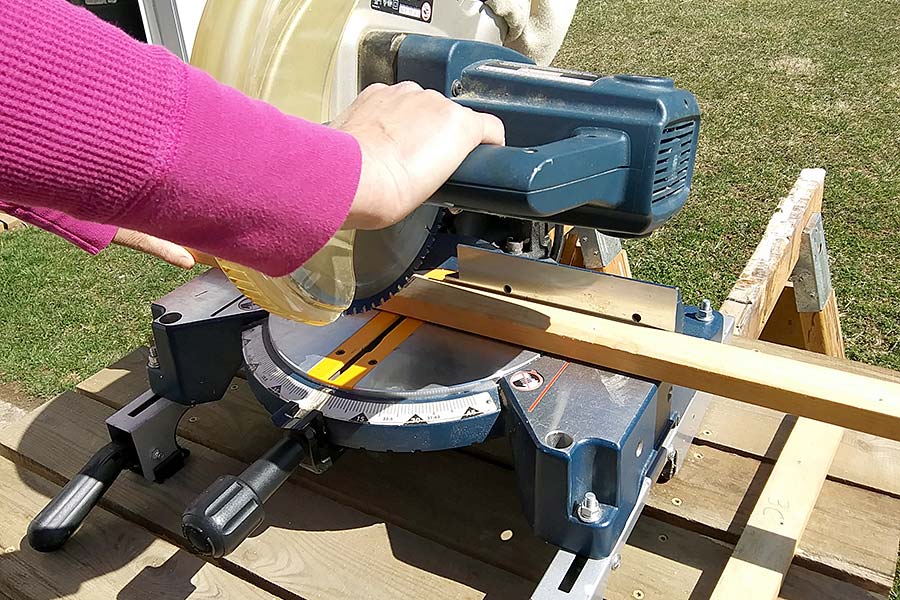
pixel 783 85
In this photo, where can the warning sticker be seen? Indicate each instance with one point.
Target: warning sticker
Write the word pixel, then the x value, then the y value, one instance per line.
pixel 420 10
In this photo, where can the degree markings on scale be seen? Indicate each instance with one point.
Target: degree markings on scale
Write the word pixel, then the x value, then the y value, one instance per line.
pixel 404 411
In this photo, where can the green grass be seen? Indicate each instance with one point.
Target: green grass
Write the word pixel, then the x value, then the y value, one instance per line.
pixel 65 314
pixel 783 85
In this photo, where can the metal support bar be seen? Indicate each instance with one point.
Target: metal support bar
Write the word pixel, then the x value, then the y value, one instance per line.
pixel 598 250
pixel 812 274
pixel 564 580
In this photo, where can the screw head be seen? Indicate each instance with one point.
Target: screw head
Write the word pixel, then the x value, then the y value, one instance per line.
pixel 156 454
pixel 456 88
pixel 616 562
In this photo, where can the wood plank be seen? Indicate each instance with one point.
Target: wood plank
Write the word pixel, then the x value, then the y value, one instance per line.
pixel 752 431
pixel 110 557
pixel 771 536
pixel 306 537
pixel 784 327
pixel 863 460
pixel 759 286
pixel 10 223
pixel 852 533
pixel 842 398
pixel 813 358
pixel 711 491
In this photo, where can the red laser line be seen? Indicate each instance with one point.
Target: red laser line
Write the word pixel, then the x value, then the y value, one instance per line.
pixel 549 385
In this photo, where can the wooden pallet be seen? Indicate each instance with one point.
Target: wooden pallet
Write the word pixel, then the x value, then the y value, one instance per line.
pixel 433 525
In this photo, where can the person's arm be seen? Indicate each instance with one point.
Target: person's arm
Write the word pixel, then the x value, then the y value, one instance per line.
pixel 99 126
pixel 90 237
pixel 94 237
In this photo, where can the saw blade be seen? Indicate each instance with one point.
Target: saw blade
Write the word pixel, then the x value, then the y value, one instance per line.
pixel 303 56
pixel 385 260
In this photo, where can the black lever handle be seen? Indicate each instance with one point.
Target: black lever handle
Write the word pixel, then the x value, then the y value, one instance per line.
pixel 62 517
pixel 231 509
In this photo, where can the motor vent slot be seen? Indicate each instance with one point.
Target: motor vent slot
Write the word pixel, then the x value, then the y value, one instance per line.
pixel 673 160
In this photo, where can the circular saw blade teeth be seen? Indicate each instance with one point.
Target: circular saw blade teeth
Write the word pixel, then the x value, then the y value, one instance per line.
pixel 371 302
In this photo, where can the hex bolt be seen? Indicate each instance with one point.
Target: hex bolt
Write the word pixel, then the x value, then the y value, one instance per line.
pixel 705 312
pixel 153 358
pixel 589 509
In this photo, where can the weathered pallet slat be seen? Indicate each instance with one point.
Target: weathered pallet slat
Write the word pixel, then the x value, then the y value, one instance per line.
pixel 312 547
pixel 110 558
pixel 711 490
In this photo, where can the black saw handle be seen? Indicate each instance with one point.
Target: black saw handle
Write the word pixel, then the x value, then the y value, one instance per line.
pixel 62 517
pixel 231 509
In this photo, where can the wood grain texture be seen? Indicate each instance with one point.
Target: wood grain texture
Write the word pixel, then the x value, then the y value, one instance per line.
pixel 109 558
pixel 620 265
pixel 841 398
pixel 862 460
pixel 822 330
pixel 783 326
pixel 312 547
pixel 391 486
pixel 10 223
pixel 852 533
pixel 759 286
pixel 771 536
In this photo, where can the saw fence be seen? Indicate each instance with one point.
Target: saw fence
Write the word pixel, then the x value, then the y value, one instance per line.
pixel 766 505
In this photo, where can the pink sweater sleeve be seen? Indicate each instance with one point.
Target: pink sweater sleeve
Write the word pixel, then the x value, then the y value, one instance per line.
pixel 108 130
pixel 90 237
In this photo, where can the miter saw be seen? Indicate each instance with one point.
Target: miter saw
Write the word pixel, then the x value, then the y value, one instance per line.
pixel 612 154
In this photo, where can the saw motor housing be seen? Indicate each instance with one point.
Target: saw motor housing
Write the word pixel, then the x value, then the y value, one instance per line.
pixel 611 153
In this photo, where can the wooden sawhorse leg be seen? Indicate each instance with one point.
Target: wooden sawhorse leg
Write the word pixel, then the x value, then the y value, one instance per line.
pixel 805 316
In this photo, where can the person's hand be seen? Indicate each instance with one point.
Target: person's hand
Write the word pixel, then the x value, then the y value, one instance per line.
pixel 167 251
pixel 412 141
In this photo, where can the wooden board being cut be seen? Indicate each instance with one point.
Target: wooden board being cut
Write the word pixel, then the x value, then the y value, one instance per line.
pixel 841 397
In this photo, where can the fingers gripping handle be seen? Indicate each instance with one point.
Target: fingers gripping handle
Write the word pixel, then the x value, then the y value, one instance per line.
pixel 62 517
pixel 540 181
